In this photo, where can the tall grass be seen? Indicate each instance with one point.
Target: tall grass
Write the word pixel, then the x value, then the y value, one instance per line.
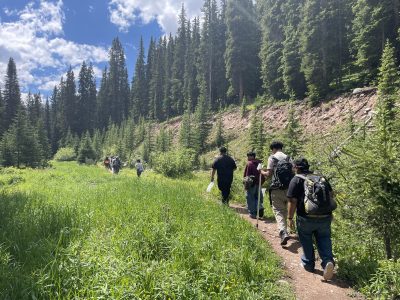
pixel 79 232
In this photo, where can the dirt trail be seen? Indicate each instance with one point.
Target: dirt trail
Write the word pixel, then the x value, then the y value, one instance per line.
pixel 306 285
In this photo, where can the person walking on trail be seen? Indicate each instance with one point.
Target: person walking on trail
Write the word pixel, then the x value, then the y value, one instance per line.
pixel 313 218
pixel 115 164
pixel 106 163
pixel 252 181
pixel 224 165
pixel 139 168
pixel 280 169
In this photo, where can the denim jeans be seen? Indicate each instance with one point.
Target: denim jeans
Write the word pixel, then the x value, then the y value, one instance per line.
pixel 252 200
pixel 320 228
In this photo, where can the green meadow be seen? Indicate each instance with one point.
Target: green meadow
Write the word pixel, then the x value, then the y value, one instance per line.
pixel 78 232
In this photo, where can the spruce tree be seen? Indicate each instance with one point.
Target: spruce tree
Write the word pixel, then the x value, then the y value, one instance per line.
pixel 163 142
pixel 186 138
pixel 148 145
pixel 118 100
pixel 43 140
pixel 169 58
pixel 2 108
pixel 150 67
pixel 157 82
pixel 202 126
pixel 272 48
pixel 69 99
pixel 219 135
pixel 292 134
pixel 257 135
pixel 86 150
pixel 178 69
pixel 11 94
pixel 47 120
pixel 139 86
pixel 103 105
pixel 86 105
pixel 242 48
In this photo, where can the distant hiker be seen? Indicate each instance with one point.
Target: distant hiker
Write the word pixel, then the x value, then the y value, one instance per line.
pixel 251 180
pixel 115 164
pixel 280 169
pixel 311 197
pixel 224 165
pixel 139 168
pixel 106 163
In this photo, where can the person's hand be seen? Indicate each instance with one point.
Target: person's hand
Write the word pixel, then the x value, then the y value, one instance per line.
pixel 291 225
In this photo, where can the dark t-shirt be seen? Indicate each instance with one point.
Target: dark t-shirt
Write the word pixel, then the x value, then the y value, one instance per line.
pixel 296 190
pixel 225 166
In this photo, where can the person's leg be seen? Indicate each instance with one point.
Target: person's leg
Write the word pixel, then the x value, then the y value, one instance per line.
pixel 251 201
pixel 324 241
pixel 279 206
pixel 305 232
pixel 222 186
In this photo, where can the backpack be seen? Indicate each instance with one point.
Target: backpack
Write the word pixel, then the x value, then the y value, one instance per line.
pixel 283 173
pixel 116 163
pixel 318 198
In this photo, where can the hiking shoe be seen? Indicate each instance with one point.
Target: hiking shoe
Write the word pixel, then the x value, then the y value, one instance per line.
pixel 253 216
pixel 328 271
pixel 284 237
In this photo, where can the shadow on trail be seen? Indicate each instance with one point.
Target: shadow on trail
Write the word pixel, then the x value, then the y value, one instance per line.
pixel 244 211
pixel 30 232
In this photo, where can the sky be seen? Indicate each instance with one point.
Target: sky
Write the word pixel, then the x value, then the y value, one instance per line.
pixel 45 37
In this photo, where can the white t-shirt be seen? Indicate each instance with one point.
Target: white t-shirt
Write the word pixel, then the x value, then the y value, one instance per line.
pixel 272 163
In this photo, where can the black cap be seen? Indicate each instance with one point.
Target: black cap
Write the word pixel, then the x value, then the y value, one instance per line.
pixel 302 164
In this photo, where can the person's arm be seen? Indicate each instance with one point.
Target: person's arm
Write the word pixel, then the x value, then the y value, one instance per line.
pixel 292 205
pixel 213 174
pixel 270 168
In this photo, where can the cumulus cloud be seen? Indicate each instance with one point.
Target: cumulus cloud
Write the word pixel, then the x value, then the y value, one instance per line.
pixel 125 13
pixel 35 41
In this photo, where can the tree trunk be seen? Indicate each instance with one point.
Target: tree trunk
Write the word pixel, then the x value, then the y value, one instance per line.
pixel 388 247
pixel 241 88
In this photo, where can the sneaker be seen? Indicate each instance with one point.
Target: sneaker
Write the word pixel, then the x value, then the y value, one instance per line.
pixel 284 237
pixel 253 216
pixel 328 271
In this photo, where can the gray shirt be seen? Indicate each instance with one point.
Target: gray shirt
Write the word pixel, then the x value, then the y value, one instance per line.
pixel 272 163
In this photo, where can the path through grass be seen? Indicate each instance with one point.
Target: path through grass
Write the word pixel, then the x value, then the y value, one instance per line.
pixel 79 232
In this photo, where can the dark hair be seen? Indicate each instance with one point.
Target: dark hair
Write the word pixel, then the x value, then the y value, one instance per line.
pixel 222 150
pixel 251 153
pixel 276 145
pixel 138 160
pixel 302 164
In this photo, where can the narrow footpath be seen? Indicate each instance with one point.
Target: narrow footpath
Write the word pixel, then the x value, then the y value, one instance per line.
pixel 306 285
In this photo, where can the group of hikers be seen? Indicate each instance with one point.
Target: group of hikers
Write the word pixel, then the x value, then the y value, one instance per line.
pixel 114 165
pixel 294 189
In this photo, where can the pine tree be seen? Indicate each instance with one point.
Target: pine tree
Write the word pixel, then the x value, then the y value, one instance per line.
pixel 103 106
pixel 55 111
pixel 2 108
pixel 157 82
pixel 86 105
pixel 375 21
pixel 150 66
pixel 292 134
pixel 242 48
pixel 163 142
pixel 47 120
pixel 43 140
pixel 272 48
pixel 178 69
pixel 186 139
pixel 118 102
pixel 139 86
pixel 169 57
pixel 293 78
pixel 86 150
pixel 11 94
pixel 257 135
pixel 219 135
pixel 148 145
pixel 20 143
pixel 69 99
pixel 202 126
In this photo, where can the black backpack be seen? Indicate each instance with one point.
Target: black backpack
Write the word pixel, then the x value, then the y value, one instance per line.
pixel 318 198
pixel 283 173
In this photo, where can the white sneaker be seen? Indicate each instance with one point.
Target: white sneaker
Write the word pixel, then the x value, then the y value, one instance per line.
pixel 328 271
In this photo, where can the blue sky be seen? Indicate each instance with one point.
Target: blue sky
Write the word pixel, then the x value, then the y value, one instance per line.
pixel 45 37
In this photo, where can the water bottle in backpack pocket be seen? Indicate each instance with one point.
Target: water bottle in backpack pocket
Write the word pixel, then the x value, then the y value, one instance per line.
pixel 318 198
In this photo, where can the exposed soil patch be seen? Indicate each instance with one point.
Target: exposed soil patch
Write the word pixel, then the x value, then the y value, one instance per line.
pixel 306 285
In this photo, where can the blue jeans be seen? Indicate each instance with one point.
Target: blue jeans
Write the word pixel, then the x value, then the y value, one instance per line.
pixel 252 200
pixel 320 228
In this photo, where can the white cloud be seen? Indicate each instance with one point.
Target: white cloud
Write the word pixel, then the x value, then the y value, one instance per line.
pixel 37 44
pixel 125 13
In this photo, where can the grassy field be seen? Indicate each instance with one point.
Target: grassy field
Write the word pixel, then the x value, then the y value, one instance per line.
pixel 79 232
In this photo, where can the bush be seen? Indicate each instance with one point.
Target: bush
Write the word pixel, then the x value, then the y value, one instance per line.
pixel 385 284
pixel 65 154
pixel 176 163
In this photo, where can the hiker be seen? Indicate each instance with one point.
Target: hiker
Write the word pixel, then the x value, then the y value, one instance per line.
pixel 106 163
pixel 115 164
pixel 224 165
pixel 280 169
pixel 313 218
pixel 251 181
pixel 139 168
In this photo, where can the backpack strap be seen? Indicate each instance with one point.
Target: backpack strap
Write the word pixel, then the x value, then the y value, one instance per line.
pixel 301 176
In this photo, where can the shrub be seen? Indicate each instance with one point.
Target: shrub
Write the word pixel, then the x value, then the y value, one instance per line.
pixel 385 284
pixel 65 154
pixel 174 163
